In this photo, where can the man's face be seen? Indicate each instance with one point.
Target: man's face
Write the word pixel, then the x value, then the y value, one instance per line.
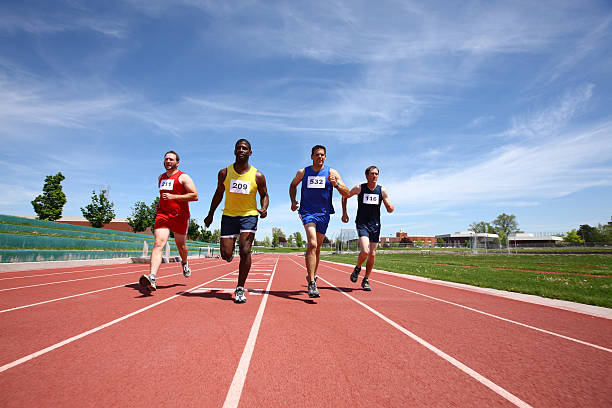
pixel 318 157
pixel 242 151
pixel 372 176
pixel 170 162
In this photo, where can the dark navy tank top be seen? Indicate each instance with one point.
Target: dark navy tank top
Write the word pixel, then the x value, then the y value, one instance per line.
pixel 316 192
pixel 368 205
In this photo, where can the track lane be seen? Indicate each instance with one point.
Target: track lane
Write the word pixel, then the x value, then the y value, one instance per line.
pixel 332 352
pixel 537 367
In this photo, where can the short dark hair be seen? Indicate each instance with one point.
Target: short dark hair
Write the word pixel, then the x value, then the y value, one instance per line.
pixel 317 147
pixel 242 140
pixel 178 159
pixel 369 169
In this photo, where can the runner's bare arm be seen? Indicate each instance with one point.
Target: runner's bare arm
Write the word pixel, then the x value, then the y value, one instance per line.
pixel 385 197
pixel 264 199
pixel 293 189
pixel 336 180
pixel 189 185
pixel 352 192
pixel 216 200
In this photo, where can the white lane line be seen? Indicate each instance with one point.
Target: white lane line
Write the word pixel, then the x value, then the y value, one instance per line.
pixel 467 370
pixel 88 332
pixel 65 281
pixel 235 391
pixel 489 314
pixel 95 291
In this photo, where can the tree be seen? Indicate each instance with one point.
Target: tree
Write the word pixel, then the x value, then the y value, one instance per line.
pixel 266 242
pixel 440 241
pixel 48 206
pixel 506 224
pixel 193 232
pixel 573 237
pixel 590 234
pixel 216 236
pixel 298 239
pixel 206 235
pixel 481 227
pixel 290 240
pixel 100 211
pixel 142 217
pixel 276 234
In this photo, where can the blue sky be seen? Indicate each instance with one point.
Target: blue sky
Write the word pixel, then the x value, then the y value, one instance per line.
pixel 470 109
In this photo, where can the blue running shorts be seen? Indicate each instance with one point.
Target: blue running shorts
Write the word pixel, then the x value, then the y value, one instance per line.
pixel 320 221
pixel 371 230
pixel 231 227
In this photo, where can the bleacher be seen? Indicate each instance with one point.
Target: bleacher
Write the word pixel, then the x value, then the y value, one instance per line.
pixel 30 240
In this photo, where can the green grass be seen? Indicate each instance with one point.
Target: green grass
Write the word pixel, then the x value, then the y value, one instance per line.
pixel 510 272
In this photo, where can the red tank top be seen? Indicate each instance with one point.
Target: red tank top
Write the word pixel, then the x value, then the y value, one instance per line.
pixel 172 185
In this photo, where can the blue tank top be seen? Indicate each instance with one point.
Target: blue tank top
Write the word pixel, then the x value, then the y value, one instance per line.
pixel 316 192
pixel 368 205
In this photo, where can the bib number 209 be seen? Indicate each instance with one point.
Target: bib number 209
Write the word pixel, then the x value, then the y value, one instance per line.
pixel 240 186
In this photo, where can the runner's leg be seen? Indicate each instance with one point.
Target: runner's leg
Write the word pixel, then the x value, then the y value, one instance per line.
pixel 181 245
pixel 227 248
pixel 311 250
pixel 161 237
pixel 245 243
pixel 320 238
pixel 365 250
pixel 371 257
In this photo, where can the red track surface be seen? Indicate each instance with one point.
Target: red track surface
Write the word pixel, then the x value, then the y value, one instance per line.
pixel 406 343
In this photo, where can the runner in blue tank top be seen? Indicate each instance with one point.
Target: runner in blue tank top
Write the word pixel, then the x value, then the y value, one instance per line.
pixel 318 183
pixel 370 197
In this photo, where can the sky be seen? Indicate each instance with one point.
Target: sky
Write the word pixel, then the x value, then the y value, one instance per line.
pixel 470 109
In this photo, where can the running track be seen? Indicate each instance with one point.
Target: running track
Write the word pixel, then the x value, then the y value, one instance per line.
pixel 87 337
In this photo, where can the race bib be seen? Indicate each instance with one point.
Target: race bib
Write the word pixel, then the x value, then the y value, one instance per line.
pixel 240 186
pixel 370 199
pixel 166 184
pixel 316 182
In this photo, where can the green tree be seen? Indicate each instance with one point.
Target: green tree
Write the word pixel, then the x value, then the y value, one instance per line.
pixel 440 241
pixel 290 240
pixel 299 242
pixel 590 234
pixel 206 235
pixel 193 232
pixel 482 227
pixel 142 217
pixel 216 236
pixel 506 224
pixel 100 211
pixel 276 234
pixel 48 206
pixel 573 237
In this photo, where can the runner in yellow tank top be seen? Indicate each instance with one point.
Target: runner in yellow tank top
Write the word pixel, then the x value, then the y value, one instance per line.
pixel 240 199
pixel 239 182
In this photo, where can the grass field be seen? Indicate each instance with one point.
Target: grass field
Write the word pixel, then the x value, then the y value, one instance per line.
pixel 578 278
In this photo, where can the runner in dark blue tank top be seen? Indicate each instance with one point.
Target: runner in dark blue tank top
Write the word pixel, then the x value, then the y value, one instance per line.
pixel 318 183
pixel 370 197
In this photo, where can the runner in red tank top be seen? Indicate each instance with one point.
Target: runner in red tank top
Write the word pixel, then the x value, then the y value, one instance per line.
pixel 176 189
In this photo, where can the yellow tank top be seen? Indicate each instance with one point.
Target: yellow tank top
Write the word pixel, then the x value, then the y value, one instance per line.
pixel 240 193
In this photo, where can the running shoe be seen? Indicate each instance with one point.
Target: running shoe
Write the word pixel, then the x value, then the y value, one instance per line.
pixel 148 282
pixel 186 269
pixel 365 284
pixel 355 274
pixel 239 296
pixel 313 292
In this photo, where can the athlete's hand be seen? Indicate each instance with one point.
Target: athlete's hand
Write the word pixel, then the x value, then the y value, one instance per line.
pixel 208 220
pixel 168 196
pixel 295 205
pixel 262 213
pixel 333 179
pixel 345 218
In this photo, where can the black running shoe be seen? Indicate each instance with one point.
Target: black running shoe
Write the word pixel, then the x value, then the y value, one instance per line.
pixel 365 284
pixel 186 270
pixel 355 274
pixel 239 296
pixel 148 282
pixel 313 292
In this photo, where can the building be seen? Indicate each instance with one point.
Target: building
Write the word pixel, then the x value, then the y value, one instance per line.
pixel 117 224
pixel 522 240
pixel 406 240
pixel 465 239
